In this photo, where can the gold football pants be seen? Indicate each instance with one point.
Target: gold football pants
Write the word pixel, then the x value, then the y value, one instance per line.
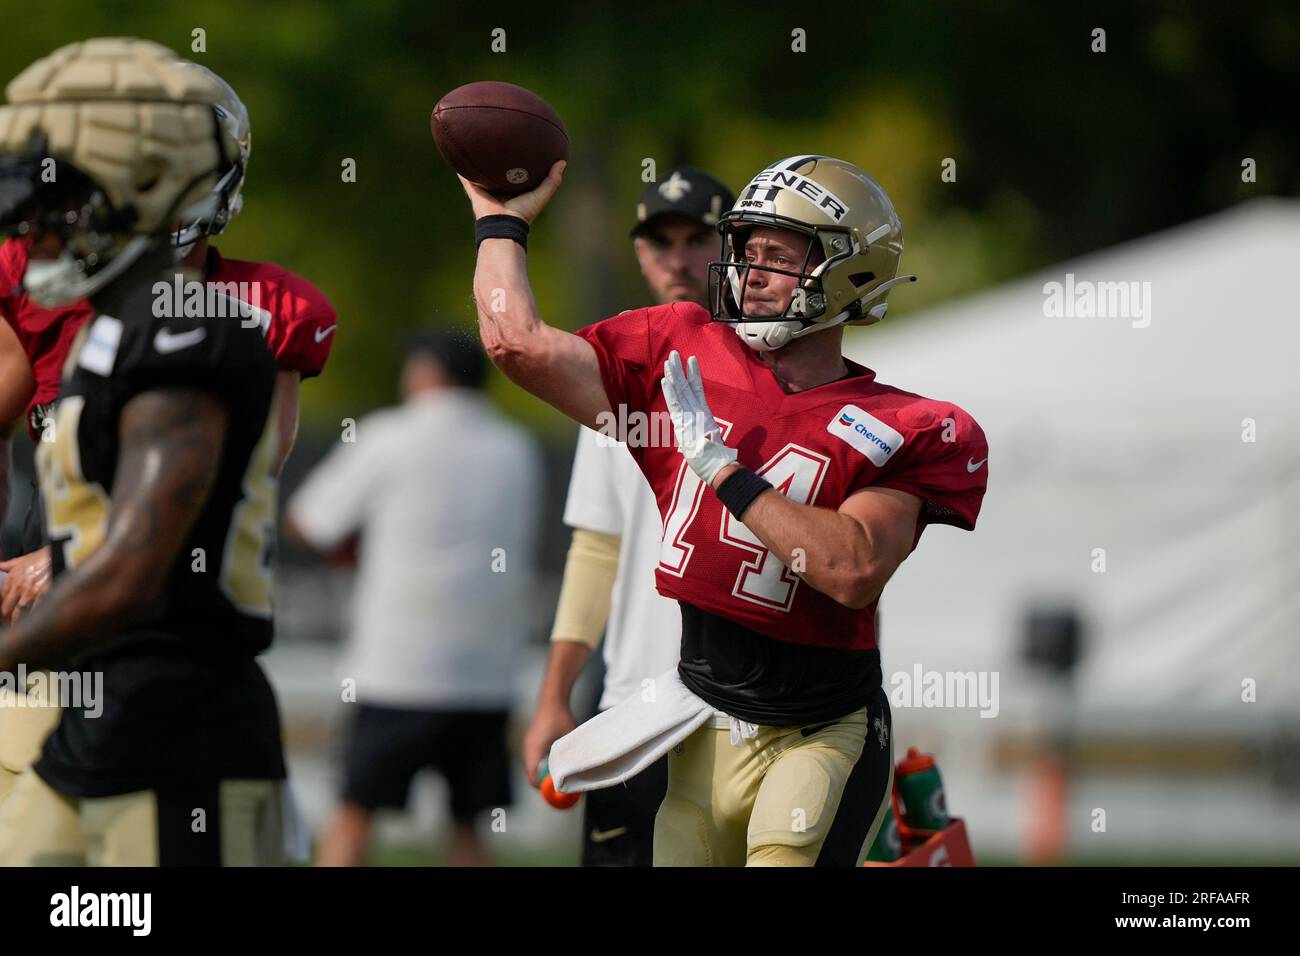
pixel 23 730
pixel 227 823
pixel 768 802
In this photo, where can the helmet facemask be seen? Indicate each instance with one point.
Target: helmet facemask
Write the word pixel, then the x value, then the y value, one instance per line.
pixel 96 242
pixel 226 199
pixel 729 283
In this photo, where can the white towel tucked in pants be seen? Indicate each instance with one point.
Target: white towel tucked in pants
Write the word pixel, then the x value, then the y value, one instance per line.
pixel 618 744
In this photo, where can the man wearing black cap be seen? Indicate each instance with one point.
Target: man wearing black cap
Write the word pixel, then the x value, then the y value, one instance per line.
pixel 440 612
pixel 676 233
pixel 609 575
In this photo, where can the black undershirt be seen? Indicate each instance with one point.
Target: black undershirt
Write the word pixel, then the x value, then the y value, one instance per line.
pixel 771 682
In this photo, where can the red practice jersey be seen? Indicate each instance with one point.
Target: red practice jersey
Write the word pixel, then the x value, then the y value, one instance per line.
pixel 817 447
pixel 300 320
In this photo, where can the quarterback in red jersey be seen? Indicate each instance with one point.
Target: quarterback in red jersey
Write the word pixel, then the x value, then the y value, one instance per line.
pixel 791 484
pixel 817 446
pixel 298 321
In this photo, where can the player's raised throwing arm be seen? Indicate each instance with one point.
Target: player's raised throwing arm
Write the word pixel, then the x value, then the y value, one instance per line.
pixel 558 367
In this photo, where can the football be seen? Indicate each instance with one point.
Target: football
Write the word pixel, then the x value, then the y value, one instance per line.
pixel 499 136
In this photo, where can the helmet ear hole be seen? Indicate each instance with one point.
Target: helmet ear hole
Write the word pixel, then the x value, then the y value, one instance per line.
pixel 860 279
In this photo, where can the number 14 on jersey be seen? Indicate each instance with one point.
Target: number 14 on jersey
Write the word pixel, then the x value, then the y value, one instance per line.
pixel 761 578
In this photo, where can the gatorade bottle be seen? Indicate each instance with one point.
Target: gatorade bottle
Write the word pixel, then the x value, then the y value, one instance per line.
pixel 921 790
pixel 887 846
pixel 557 799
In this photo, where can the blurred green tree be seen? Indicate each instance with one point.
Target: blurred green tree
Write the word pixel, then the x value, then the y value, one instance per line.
pixel 1058 149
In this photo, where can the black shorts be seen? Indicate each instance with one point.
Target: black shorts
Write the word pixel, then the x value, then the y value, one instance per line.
pixel 866 793
pixel 618 823
pixel 389 746
pixel 168 716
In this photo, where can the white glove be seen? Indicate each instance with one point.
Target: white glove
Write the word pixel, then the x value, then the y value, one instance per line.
pixel 699 438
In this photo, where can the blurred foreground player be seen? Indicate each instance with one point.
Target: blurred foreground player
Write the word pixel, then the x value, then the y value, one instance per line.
pixel 778 569
pixel 609 574
pixel 34 345
pixel 159 481
pixel 443 493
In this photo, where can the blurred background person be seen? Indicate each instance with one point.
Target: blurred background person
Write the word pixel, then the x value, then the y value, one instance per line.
pixel 442 493
pixel 609 574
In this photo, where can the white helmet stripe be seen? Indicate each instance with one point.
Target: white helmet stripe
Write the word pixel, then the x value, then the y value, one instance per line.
pixel 879 232
pixel 794 162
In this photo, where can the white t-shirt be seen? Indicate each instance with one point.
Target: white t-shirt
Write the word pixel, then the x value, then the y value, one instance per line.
pixel 444 492
pixel 608 494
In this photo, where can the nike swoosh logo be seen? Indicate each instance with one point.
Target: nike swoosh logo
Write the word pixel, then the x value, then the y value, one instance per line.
pixel 601 836
pixel 974 466
pixel 323 334
pixel 167 342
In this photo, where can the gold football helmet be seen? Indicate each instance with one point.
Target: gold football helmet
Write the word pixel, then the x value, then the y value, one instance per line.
pixel 852 225
pixel 110 143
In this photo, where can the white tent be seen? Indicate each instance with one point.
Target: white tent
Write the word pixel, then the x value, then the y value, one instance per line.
pixel 1125 433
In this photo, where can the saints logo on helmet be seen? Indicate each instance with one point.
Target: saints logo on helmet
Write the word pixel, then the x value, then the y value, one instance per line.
pixel 107 144
pixel 856 241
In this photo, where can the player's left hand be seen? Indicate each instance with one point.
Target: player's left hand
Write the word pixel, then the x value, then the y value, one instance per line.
pixel 699 438
pixel 28 580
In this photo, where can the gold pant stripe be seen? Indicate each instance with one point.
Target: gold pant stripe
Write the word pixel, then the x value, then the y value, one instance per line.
pixel 885 806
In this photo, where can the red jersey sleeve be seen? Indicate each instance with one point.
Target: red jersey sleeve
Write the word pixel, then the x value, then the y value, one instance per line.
pixel 12 266
pixel 302 328
pixel 944 462
pixel 626 355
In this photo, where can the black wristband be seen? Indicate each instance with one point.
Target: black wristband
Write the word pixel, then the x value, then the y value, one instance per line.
pixel 501 227
pixel 739 491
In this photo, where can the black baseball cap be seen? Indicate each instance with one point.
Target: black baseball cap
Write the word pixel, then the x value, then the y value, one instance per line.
pixel 683 191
